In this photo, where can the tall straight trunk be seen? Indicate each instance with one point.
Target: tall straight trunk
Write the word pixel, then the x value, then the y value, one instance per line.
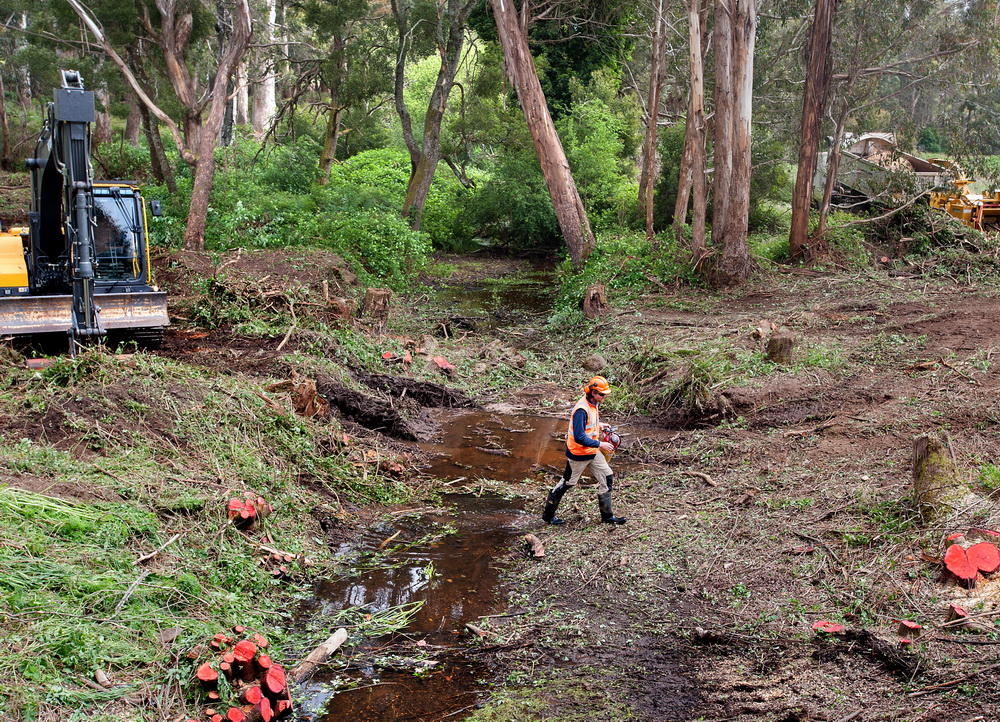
pixel 242 111
pixel 684 179
pixel 6 155
pixel 647 175
pixel 817 88
pixel 263 91
pixel 722 38
pixel 734 263
pixel 133 123
pixel 520 67
pixel 696 121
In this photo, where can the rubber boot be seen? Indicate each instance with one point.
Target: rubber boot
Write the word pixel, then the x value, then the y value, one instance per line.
pixel 607 516
pixel 555 496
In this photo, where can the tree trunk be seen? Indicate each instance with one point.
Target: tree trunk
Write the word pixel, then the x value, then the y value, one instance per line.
pixel 734 263
pixel 6 155
pixel 818 70
pixel 162 170
pixel 242 114
pixel 684 180
pixel 647 176
pixel 938 487
pixel 722 38
pixel 832 168
pixel 696 122
pixel 102 123
pixel 424 161
pixel 133 123
pixel 520 68
pixel 329 153
pixel 263 91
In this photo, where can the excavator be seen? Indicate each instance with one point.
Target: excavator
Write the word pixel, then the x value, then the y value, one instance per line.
pixel 81 266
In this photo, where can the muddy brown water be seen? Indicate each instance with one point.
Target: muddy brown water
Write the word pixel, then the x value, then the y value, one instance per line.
pixel 466 582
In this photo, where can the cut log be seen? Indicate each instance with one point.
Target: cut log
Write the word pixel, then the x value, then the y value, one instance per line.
pixel 956 561
pixel 827 627
pixel 235 714
pixel 375 308
pixel 533 546
pixel 908 629
pixel 955 612
pixel 308 666
pixel 264 662
pixel 259 638
pixel 266 713
pixel 251 695
pixel 780 347
pixel 984 556
pixel 245 650
pixel 274 680
pixel 595 301
pixel 207 674
pixel 939 490
pixel 444 366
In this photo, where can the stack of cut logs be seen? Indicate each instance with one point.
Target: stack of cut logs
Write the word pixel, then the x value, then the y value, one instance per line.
pixel 247 512
pixel 259 683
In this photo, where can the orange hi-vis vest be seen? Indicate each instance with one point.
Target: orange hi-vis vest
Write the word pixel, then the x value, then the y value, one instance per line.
pixel 593 429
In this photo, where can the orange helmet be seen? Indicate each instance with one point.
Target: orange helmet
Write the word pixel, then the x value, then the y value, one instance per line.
pixel 598 383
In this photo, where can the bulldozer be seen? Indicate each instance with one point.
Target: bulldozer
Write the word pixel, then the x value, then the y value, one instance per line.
pixel 81 266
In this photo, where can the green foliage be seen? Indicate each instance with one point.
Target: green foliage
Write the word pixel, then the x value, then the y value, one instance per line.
pixel 846 240
pixel 930 139
pixel 670 148
pixel 623 262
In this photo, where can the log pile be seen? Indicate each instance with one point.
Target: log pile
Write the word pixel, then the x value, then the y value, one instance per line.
pixel 260 685
pixel 247 512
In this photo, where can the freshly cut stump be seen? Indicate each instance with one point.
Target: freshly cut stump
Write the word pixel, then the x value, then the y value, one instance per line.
pixel 984 556
pixel 780 348
pixel 595 301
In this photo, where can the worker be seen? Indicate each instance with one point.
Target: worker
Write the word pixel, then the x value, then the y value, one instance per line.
pixel 583 442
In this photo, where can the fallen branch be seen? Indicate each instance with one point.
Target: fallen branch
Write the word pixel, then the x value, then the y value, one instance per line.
pixel 945 685
pixel 386 541
pixel 308 666
pixel 147 557
pixel 479 631
pixel 701 475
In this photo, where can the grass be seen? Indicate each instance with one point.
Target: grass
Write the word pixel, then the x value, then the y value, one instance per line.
pixel 172 443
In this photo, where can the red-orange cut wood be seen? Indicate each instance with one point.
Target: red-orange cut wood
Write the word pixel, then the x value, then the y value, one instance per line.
pixel 252 695
pixel 235 506
pixel 264 662
pixel 984 556
pixel 956 561
pixel 261 640
pixel 239 629
pixel 235 714
pixel 274 679
pixel 229 657
pixel 206 673
pixel 266 713
pixel 216 718
pixel 245 650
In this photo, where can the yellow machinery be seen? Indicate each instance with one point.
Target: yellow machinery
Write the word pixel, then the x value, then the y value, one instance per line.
pixel 979 211
pixel 81 265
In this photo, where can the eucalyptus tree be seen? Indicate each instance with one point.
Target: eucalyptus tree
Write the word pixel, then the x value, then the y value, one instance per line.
pixel 181 30
pixel 446 21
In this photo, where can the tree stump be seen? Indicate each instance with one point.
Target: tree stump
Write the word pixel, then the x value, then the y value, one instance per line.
pixel 595 301
pixel 938 488
pixel 375 308
pixel 780 346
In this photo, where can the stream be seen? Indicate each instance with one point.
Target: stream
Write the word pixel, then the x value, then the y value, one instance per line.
pixel 457 575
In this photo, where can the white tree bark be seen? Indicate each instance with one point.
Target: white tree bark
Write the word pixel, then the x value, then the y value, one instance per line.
pixel 263 91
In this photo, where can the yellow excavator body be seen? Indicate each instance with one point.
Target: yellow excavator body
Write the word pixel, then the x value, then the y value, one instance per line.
pixel 13 269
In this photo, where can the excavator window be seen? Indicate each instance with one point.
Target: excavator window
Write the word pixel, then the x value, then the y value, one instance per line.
pixel 116 256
